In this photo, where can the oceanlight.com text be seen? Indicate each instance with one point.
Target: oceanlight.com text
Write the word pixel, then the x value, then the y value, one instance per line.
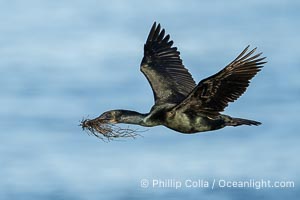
pixel 216 183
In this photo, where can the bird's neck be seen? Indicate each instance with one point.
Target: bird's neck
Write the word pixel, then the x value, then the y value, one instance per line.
pixel 131 117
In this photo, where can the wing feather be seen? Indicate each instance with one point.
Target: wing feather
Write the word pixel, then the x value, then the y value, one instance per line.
pixel 170 80
pixel 213 94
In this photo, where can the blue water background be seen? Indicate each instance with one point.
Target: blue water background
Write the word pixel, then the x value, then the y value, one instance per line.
pixel 64 60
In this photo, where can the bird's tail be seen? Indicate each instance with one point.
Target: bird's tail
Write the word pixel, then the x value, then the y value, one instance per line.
pixel 239 121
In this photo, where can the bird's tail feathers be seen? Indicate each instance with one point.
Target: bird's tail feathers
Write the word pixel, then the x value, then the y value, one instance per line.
pixel 239 121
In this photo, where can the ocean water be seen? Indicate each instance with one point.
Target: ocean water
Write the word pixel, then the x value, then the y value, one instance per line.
pixel 62 61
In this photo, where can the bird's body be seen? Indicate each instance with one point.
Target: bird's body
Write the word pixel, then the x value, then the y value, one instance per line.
pixel 181 122
pixel 180 104
pixel 184 122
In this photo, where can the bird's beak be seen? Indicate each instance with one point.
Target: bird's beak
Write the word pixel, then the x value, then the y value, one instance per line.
pixel 105 120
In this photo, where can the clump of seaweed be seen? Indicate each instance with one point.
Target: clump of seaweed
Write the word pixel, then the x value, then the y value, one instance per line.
pixel 107 131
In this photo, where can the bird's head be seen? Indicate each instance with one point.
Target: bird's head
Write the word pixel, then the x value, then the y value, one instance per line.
pixel 112 116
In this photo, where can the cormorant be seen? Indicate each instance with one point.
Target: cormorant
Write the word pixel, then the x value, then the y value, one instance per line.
pixel 180 104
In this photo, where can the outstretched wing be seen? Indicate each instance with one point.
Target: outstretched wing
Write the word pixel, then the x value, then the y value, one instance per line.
pixel 163 68
pixel 214 93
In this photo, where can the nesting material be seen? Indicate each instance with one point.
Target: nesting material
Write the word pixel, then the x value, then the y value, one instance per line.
pixel 107 131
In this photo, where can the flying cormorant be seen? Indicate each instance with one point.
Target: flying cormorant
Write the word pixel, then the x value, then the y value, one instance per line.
pixel 180 104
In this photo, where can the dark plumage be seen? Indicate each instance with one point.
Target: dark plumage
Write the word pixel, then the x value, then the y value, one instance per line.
pixel 180 104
